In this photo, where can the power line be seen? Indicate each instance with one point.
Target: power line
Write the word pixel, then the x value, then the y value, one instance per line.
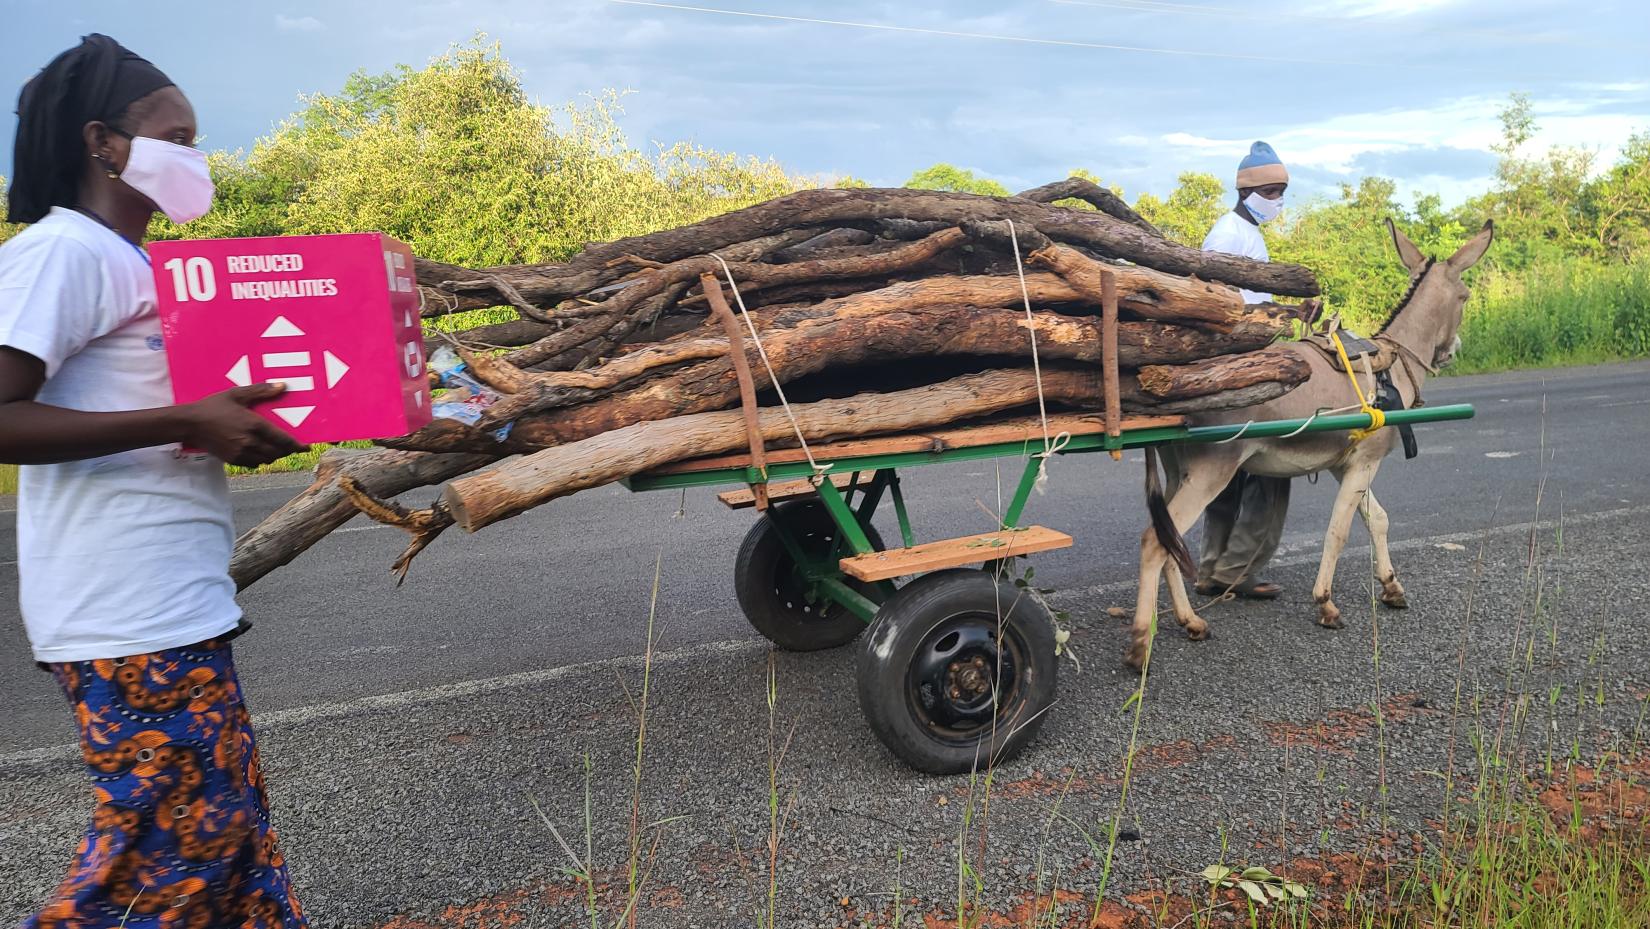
pixel 1025 40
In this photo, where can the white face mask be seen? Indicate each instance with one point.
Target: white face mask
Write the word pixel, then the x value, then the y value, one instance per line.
pixel 1261 208
pixel 175 177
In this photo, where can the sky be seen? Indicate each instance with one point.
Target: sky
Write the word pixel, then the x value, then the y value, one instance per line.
pixel 1136 91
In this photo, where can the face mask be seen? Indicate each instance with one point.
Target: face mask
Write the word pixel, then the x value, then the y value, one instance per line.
pixel 175 177
pixel 1261 208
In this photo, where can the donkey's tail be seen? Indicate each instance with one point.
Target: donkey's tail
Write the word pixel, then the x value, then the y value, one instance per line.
pixel 1162 523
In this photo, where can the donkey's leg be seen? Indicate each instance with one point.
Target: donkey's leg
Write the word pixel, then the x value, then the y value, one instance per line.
pixel 1196 489
pixel 1392 592
pixel 1184 613
pixel 1355 481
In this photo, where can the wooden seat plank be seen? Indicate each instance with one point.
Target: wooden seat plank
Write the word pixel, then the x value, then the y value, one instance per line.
pixel 953 553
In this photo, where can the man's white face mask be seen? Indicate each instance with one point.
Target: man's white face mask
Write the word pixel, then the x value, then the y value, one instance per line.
pixel 1262 209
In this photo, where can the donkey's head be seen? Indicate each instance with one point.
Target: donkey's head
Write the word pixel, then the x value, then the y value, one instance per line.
pixel 1428 320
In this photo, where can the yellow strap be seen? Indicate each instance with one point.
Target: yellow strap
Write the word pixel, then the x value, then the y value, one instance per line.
pixel 1377 418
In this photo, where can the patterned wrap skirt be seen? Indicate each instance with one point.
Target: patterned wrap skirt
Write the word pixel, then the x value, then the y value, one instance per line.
pixel 181 835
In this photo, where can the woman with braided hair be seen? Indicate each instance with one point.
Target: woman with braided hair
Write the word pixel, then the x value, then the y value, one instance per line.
pixel 124 538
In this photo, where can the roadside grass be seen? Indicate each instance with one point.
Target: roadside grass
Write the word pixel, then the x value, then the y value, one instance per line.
pixel 1539 827
pixel 1555 315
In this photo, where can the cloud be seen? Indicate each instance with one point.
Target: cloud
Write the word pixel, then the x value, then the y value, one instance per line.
pixel 1392 7
pixel 287 23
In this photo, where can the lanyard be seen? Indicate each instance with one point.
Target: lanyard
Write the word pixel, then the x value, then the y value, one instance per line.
pixel 107 225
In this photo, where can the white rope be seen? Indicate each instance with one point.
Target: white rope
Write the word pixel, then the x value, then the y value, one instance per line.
pixel 1290 435
pixel 773 378
pixel 1237 435
pixel 1056 444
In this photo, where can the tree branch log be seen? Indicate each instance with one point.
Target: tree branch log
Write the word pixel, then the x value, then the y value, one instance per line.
pixel 1112 237
pixel 1076 188
pixel 1228 372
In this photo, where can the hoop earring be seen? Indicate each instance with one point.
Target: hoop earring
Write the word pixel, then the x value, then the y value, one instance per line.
pixel 108 170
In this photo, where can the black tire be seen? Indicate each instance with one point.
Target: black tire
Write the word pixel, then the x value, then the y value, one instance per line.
pixel 927 670
pixel 775 598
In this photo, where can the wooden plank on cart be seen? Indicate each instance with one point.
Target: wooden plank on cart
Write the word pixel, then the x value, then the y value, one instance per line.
pixel 953 553
pixel 783 490
pixel 1028 429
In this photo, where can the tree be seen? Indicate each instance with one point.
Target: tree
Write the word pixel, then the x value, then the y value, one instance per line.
pixel 1190 210
pixel 7 230
pixel 950 177
pixel 455 160
pixel 1617 205
pixel 1346 242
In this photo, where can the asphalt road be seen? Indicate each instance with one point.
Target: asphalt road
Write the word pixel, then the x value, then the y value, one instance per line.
pixel 409 731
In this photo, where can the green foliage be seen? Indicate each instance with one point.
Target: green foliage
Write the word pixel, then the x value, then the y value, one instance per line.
pixel 1346 242
pixel 950 177
pixel 7 230
pixel 456 161
pixel 1556 313
pixel 1189 211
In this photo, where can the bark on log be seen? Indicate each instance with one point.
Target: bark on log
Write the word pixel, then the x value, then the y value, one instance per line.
pixel 543 284
pixel 1141 292
pixel 1178 299
pixel 1231 372
pixel 813 247
pixel 1076 188
pixel 517 486
pixel 1239 398
pixel 322 507
pixel 925 332
pixel 512 334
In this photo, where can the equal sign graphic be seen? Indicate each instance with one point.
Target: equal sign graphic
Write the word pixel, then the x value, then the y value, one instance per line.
pixel 275 367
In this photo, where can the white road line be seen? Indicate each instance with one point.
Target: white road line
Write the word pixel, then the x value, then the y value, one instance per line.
pixel 1311 553
pixel 298 716
pixel 1624 403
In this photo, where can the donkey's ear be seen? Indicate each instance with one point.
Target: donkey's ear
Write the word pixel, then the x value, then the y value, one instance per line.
pixel 1475 248
pixel 1407 252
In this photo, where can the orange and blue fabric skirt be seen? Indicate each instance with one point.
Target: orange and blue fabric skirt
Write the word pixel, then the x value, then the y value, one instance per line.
pixel 180 837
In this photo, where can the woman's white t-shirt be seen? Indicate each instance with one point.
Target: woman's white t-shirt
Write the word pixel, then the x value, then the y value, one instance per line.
pixel 125 554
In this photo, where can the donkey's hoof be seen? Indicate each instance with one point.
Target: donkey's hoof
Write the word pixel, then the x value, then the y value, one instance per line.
pixel 1394 600
pixel 1197 629
pixel 1135 657
pixel 1329 616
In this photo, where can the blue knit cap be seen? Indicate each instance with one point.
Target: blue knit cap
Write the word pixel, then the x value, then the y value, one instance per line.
pixel 1261 167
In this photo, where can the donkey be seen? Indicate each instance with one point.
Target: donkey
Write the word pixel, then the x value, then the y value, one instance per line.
pixel 1423 333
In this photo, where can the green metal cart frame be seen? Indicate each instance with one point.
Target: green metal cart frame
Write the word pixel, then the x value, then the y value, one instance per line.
pixel 959 669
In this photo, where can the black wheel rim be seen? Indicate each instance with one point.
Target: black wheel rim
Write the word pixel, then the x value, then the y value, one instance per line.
pixel 796 591
pixel 961 678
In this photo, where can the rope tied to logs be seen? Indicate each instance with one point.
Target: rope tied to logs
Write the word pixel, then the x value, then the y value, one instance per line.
pixel 1056 444
pixel 773 378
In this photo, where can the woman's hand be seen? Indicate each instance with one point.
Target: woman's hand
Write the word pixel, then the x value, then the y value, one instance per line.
pixel 224 426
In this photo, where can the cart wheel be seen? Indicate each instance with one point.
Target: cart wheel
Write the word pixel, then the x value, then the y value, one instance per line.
pixel 776 598
pixel 927 675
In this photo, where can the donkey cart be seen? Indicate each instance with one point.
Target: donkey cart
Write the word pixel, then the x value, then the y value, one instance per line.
pixel 960 667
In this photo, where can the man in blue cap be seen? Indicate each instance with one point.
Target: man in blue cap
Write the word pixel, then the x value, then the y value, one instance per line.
pixel 1243 526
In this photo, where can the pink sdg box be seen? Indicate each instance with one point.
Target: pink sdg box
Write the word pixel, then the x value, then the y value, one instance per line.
pixel 334 317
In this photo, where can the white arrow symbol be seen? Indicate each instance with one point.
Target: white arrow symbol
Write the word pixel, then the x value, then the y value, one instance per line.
pixel 241 374
pixel 281 328
pixel 336 369
pixel 294 415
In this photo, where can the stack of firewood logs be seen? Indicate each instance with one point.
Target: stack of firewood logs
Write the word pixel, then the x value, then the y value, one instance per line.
pixel 876 311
